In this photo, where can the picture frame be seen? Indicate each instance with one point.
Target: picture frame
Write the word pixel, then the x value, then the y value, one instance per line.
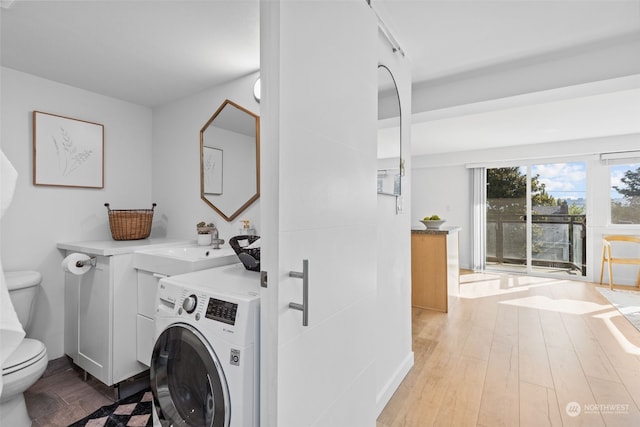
pixel 67 152
pixel 212 164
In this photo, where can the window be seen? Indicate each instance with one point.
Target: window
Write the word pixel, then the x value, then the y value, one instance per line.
pixel 625 193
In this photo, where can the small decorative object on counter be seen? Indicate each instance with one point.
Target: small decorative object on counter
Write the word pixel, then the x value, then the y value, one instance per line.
pixel 204 228
pixel 206 233
pixel 249 255
pixel 246 229
pixel 432 222
pixel 130 224
pixel 204 239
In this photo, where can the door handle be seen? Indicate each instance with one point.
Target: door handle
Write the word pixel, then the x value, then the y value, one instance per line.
pixel 304 307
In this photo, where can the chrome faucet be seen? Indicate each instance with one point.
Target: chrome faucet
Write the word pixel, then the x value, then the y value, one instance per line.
pixel 214 238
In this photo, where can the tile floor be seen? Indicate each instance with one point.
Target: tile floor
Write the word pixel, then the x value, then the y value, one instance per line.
pixel 62 396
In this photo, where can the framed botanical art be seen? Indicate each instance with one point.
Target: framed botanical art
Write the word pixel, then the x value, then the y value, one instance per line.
pixel 67 152
pixel 212 170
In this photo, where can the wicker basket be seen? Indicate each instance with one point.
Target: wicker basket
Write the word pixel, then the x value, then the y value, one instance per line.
pixel 130 224
pixel 250 257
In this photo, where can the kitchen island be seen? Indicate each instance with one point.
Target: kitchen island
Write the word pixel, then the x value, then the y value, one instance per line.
pixel 435 267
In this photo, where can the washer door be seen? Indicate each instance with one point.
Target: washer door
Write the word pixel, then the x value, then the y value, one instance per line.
pixel 187 381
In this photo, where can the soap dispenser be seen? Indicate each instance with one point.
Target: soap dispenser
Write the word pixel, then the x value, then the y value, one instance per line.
pixel 246 229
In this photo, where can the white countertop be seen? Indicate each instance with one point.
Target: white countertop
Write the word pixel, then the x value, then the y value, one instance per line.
pixel 116 247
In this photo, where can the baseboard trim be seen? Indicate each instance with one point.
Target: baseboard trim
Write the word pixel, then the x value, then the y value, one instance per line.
pixel 55 366
pixel 385 394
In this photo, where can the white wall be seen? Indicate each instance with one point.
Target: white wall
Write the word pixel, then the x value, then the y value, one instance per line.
pixel 442 185
pixel 176 159
pixel 40 217
pixel 394 356
pixel 444 191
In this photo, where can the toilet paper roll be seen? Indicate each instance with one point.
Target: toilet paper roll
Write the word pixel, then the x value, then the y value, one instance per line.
pixel 70 264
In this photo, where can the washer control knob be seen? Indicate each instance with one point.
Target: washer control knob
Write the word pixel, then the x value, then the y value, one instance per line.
pixel 189 303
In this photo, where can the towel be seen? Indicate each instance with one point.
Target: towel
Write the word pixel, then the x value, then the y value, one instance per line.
pixel 8 178
pixel 11 331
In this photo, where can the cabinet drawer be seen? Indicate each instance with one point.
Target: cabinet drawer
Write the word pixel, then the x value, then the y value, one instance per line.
pixel 147 288
pixel 145 339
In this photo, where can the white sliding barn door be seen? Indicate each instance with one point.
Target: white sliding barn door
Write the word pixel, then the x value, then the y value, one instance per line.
pixel 318 202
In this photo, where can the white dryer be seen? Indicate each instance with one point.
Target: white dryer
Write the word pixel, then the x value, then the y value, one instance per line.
pixel 205 362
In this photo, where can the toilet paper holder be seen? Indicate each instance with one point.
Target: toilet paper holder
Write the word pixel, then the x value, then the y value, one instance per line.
pixel 91 261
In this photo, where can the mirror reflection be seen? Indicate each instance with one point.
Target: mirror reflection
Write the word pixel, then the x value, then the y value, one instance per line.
pixel 229 160
pixel 390 169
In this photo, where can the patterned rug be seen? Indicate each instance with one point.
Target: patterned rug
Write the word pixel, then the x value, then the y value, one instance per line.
pixel 134 411
pixel 627 303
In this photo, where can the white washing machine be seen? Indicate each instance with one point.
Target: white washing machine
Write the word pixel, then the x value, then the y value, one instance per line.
pixel 205 362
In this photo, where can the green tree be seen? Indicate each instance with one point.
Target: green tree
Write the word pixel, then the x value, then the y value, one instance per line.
pixel 507 191
pixel 627 212
pixel 631 189
pixel 576 210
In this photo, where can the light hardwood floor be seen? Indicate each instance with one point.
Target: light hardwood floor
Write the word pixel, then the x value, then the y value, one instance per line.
pixel 520 351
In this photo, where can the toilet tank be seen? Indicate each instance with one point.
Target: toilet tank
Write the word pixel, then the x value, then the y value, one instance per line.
pixel 23 288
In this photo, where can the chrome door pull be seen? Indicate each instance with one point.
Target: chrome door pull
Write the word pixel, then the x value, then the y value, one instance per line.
pixel 304 307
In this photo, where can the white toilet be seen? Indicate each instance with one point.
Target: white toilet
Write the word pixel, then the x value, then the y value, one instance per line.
pixel 28 362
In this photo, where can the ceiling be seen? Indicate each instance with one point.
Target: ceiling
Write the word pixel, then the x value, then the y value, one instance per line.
pixel 142 51
pixel 153 52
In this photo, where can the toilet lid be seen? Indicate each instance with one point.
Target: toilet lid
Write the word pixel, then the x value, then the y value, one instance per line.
pixel 28 352
pixel 22 279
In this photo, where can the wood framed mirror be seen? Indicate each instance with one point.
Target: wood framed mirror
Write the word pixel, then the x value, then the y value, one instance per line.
pixel 230 160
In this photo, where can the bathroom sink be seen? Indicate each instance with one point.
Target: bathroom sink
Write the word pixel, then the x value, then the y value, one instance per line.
pixel 172 260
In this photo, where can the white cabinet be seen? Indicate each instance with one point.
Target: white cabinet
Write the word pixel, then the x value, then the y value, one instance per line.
pixel 100 310
pixel 147 288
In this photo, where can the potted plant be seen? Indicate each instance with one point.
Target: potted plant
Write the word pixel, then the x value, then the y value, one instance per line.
pixel 204 228
pixel 204 232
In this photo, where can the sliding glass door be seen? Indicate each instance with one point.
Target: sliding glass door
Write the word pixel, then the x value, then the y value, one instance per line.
pixel 536 218
pixel 506 217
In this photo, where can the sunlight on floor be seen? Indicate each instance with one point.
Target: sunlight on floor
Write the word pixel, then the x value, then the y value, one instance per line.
pixel 479 285
pixel 617 334
pixel 569 306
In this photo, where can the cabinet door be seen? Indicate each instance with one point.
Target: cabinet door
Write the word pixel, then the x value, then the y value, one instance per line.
pixel 147 288
pixel 124 280
pixel 71 295
pixel 94 320
pixel 145 329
